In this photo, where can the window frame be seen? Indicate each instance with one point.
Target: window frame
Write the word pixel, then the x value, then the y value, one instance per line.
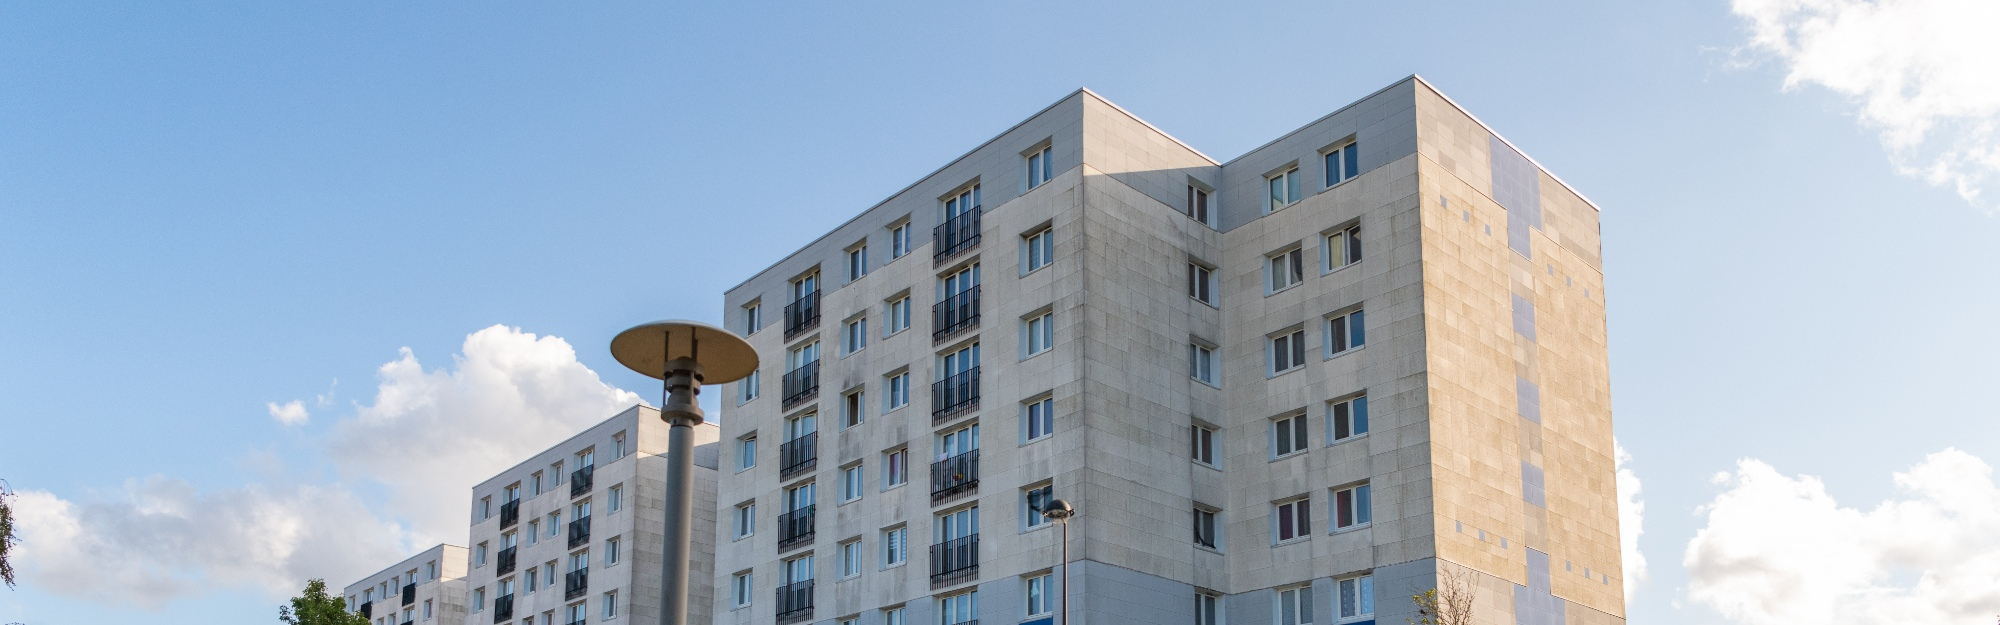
pixel 746 520
pixel 898 394
pixel 1038 415
pixel 1290 435
pixel 753 316
pixel 1038 245
pixel 853 482
pixel 1038 158
pixel 1201 285
pixel 1358 509
pixel 1288 262
pixel 1344 333
pixel 899 239
pixel 746 452
pixel 897 311
pixel 1286 350
pixel 850 558
pixel 854 336
pixel 1209 519
pixel 1201 364
pixel 1035 594
pixel 1340 163
pixel 1364 595
pixel 1038 334
pixel 857 262
pixel 1032 519
pixel 1299 599
pixel 1299 509
pixel 1202 448
pixel 895 468
pixel 1348 414
pixel 742 590
pixel 1288 180
pixel 854 408
pixel 750 387
pixel 1213 615
pixel 895 548
pixel 1335 256
pixel 1200 201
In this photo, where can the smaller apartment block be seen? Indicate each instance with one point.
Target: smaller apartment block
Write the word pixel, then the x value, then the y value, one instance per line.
pixel 427 588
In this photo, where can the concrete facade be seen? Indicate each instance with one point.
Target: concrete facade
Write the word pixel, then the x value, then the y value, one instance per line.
pixel 427 588
pixel 1483 370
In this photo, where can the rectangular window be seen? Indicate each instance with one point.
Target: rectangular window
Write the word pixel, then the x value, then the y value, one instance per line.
pixel 1288 436
pixel 899 315
pixel 616 497
pixel 959 609
pixel 1204 527
pixel 1197 203
pixel 1041 418
pixel 895 468
pixel 1201 363
pixel 617 445
pixel 1295 606
pixel 1286 269
pixel 1347 418
pixel 850 483
pixel 899 241
pixel 1294 519
pixel 1204 445
pixel 1039 168
pixel 1288 351
pixel 1357 597
pixel 1342 248
pixel 899 391
pixel 478 599
pixel 1201 283
pixel 427 609
pixel 1040 333
pixel 555 524
pixel 1284 190
pixel 1038 250
pixel 611 551
pixel 753 317
pixel 479 555
pixel 1345 332
pixel 895 549
pixel 801 356
pixel 534 532
pixel 1206 610
pixel 1041 601
pixel 535 484
pixel 746 520
pixel 1035 500
pixel 853 409
pixel 892 616
pixel 855 336
pixel 529 578
pixel 750 387
pixel 740 590
pixel 610 602
pixel 1351 507
pixel 746 452
pixel 1341 164
pixel 850 558
pixel 857 263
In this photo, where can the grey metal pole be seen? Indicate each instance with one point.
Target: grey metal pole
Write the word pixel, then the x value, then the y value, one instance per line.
pixel 683 382
pixel 1065 571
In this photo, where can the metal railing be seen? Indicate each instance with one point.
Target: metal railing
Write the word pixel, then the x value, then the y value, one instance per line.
pixel 576 584
pixel 798 454
pixel 954 558
pixel 801 315
pixel 796 526
pixel 954 394
pixel 510 513
pixel 801 383
pixel 581 479
pixel 505 563
pixel 954 475
pixel 955 313
pixel 579 531
pixel 503 609
pixel 409 593
pixel 795 600
pixel 956 234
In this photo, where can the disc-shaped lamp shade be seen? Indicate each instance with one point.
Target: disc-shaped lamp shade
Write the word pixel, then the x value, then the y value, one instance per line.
pixel 1058 509
pixel 646 348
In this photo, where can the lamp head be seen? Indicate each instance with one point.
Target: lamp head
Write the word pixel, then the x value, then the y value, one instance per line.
pixel 1058 509
pixel 658 348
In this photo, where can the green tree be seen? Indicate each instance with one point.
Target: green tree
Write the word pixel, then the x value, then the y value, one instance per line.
pixel 7 539
pixel 1450 603
pixel 315 607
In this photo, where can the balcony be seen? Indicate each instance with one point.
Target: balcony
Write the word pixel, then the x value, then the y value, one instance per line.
pixel 954 475
pixel 510 513
pixel 955 235
pixel 503 609
pixel 795 602
pixel 410 622
pixel 367 609
pixel 505 563
pixel 955 314
pixel 579 531
pixel 798 455
pixel 409 593
pixel 802 315
pixel 954 561
pixel 576 584
pixel 801 384
pixel 954 395
pixel 581 479
pixel 796 528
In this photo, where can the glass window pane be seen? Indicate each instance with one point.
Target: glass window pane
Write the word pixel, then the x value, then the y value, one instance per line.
pixel 1340 421
pixel 1354 328
pixel 1361 415
pixel 1361 513
pixel 1353 160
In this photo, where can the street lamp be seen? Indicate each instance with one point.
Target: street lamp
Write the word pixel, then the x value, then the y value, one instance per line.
pixel 1060 511
pixel 682 354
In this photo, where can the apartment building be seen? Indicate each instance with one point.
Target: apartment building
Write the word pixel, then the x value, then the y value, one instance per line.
pixel 427 588
pixel 1288 388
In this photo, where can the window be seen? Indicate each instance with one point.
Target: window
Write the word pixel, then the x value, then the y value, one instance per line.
pixel 535 484
pixel 899 241
pixel 431 570
pixel 892 616
pixel 615 498
pixel 1286 269
pixel 1035 500
pixel 530 580
pixel 962 203
pixel 1357 597
pixel 1041 418
pixel 555 524
pixel 1342 248
pixel 1204 445
pixel 575 613
pixel 895 468
pixel 1040 333
pixel 957 609
pixel 850 483
pixel 852 407
pixel 1201 363
pixel 1201 283
pixel 1197 203
pixel 740 590
pixel 479 555
pixel 1345 332
pixel 478 599
pixel 556 474
pixel 857 262
pixel 1347 418
pixel 746 519
pixel 1288 351
pixel 618 445
pixel 1341 164
pixel 1294 519
pixel 610 602
pixel 486 507
pixel 1039 589
pixel 1288 435
pixel 427 609
pixel 1351 507
pixel 1284 190
pixel 1205 612
pixel 753 317
pixel 854 336
pixel 899 390
pixel 895 548
pixel 534 532
pixel 611 551
pixel 1295 606
pixel 850 558
pixel 1038 250
pixel 746 452
pixel 1039 169
pixel 899 315
pixel 751 386
pixel 801 356
pixel 1204 527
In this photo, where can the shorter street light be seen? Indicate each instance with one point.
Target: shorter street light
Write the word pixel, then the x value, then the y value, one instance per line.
pixel 1060 511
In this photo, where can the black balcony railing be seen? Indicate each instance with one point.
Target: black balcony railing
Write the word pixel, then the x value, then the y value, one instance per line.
pixel 802 383
pixel 410 622
pixel 798 455
pixel 503 609
pixel 796 527
pixel 956 235
pixel 795 600
pixel 954 475
pixel 579 531
pixel 580 480
pixel 801 315
pixel 505 563
pixel 955 559
pixel 955 394
pixel 367 609
pixel 409 593
pixel 510 513
pixel 955 313
pixel 576 584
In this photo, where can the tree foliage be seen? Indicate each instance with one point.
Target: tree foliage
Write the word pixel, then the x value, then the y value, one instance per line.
pixel 1450 603
pixel 7 539
pixel 315 607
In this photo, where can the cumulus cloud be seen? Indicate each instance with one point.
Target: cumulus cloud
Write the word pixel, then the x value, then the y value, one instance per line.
pixel 1920 72
pixel 289 413
pixel 424 440
pixel 1779 549
pixel 1631 520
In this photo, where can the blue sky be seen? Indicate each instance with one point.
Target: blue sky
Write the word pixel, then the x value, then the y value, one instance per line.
pixel 208 208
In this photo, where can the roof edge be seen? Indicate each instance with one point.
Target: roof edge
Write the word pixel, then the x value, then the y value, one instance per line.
pixel 1114 105
pixel 1356 102
pixel 1503 139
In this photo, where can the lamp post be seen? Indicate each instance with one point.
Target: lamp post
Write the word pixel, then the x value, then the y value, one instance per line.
pixel 1060 511
pixel 682 354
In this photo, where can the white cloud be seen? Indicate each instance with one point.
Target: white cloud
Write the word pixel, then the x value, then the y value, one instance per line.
pixel 290 413
pixel 1779 549
pixel 1921 72
pixel 427 437
pixel 1631 521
